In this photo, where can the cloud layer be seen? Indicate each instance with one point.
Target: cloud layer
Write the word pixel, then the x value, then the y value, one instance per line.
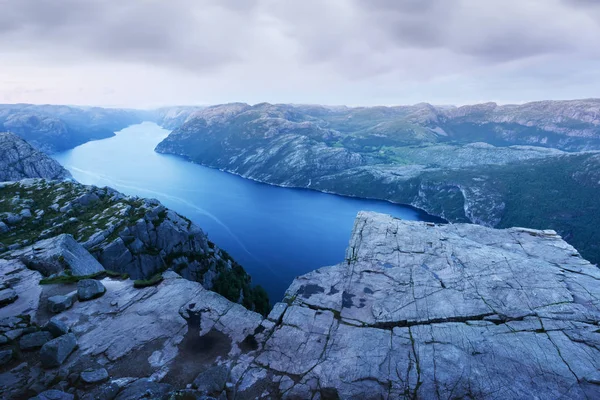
pixel 143 53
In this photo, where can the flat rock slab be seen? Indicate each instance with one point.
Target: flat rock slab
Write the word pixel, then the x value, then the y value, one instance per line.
pixel 56 327
pixel 56 351
pixel 88 289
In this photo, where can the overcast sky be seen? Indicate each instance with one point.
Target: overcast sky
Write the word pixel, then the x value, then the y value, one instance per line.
pixel 355 52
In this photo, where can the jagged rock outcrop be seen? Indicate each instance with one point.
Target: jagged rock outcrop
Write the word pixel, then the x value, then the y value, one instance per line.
pixel 127 235
pixel 417 310
pixel 19 160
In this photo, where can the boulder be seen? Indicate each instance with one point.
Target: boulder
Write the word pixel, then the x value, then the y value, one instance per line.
pixel 58 254
pixel 53 395
pixel 59 303
pixel 34 340
pixel 56 351
pixel 144 389
pixel 212 380
pixel 7 296
pixel 88 289
pixel 56 327
pixel 5 356
pixel 94 376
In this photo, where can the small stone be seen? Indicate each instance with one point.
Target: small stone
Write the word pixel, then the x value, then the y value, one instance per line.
pixel 56 351
pixel 5 356
pixel 88 289
pixel 14 334
pixel 34 340
pixel 3 227
pixel 3 340
pixel 59 303
pixel 26 213
pixel 95 376
pixel 56 327
pixel 7 296
pixel 53 395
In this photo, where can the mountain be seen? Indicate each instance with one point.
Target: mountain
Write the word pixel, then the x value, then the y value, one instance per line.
pixel 417 310
pixel 460 163
pixel 54 128
pixel 173 117
pixel 19 160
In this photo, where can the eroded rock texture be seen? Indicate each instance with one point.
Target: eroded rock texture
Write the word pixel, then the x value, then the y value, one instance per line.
pixel 417 310
pixel 19 160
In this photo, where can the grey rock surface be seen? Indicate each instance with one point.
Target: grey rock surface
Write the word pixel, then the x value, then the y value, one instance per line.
pixel 59 254
pixel 19 160
pixel 127 235
pixel 7 296
pixel 94 376
pixel 88 289
pixel 212 380
pixel 34 340
pixel 53 395
pixel 5 356
pixel 59 303
pixel 56 351
pixel 417 310
pixel 56 327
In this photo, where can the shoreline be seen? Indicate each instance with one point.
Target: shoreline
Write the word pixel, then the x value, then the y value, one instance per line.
pixel 428 217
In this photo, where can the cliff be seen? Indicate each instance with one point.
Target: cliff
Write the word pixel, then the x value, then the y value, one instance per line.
pixel 416 310
pixel 139 238
pixel 19 160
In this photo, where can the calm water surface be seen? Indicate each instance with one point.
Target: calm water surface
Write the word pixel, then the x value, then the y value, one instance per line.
pixel 275 233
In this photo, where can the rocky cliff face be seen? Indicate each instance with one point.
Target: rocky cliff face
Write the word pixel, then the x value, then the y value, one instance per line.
pixel 416 310
pixel 19 160
pixel 128 235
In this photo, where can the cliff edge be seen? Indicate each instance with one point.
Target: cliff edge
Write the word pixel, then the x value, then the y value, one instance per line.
pixel 417 310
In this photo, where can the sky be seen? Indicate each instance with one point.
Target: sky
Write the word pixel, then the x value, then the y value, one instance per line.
pixel 149 53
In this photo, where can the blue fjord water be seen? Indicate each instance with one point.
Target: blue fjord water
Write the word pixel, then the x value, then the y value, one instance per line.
pixel 275 233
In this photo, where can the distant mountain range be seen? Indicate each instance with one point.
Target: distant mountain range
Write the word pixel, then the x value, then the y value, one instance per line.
pixel 534 165
pixel 531 165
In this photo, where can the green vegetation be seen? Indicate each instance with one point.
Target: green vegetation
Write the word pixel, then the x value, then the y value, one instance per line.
pixel 69 278
pixel 559 193
pixel 233 282
pixel 142 283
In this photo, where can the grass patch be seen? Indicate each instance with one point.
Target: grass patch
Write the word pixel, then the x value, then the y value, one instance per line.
pixel 142 283
pixel 68 278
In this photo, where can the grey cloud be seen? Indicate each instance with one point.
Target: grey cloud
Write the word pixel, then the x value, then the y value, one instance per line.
pixel 355 40
pixel 180 33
